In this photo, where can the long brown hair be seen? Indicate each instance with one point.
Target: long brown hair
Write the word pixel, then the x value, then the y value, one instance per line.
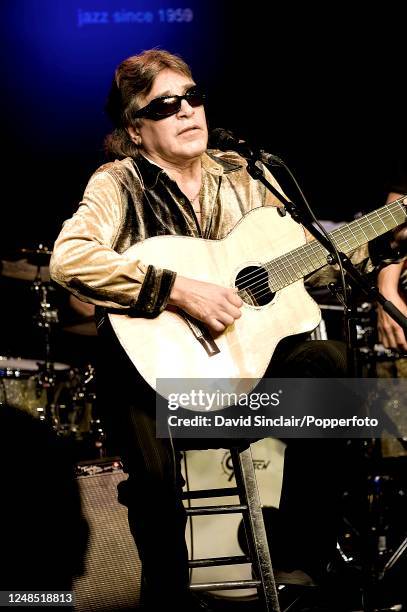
pixel 134 78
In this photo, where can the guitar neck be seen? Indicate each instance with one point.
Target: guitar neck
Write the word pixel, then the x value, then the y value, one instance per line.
pixel 290 267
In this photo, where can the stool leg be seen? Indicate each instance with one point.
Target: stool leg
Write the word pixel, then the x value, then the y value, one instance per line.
pixel 254 526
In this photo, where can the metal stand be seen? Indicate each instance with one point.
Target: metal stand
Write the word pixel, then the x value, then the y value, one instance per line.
pixel 350 328
pixel 250 507
pixel 45 318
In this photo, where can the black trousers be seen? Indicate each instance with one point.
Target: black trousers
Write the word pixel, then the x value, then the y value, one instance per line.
pixel 152 493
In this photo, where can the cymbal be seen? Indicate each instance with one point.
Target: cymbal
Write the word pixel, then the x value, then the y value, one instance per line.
pixel 38 257
pixel 23 270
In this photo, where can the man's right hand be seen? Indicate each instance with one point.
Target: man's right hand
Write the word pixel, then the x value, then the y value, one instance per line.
pixel 391 335
pixel 216 306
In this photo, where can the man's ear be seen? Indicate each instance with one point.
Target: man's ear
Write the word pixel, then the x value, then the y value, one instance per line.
pixel 134 135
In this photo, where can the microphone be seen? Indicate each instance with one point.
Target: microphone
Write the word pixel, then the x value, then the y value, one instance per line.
pixel 225 140
pixel 270 159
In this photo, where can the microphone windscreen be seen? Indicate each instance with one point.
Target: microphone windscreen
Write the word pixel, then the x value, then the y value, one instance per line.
pixel 222 139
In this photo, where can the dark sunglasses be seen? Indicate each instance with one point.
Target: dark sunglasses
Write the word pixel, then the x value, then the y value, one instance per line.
pixel 163 107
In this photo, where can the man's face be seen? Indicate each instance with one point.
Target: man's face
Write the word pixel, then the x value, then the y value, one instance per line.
pixel 180 137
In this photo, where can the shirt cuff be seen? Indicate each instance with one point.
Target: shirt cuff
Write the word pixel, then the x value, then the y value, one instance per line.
pixel 155 292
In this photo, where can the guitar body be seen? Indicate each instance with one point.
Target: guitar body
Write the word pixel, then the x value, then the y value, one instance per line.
pixel 165 347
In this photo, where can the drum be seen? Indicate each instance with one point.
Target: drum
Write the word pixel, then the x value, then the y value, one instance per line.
pixel 20 384
pixel 217 535
pixel 74 405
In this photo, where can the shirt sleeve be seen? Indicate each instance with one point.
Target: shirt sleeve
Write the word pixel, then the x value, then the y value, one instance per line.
pixel 85 262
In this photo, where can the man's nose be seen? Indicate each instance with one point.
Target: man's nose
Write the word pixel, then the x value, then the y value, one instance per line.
pixel 186 108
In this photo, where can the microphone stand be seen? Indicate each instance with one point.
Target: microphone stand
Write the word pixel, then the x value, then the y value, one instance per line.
pixel 372 575
pixel 300 216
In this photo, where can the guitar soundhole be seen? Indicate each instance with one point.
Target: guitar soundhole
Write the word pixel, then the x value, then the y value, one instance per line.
pixel 253 285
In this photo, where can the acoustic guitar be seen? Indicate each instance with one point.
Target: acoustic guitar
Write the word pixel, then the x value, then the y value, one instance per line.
pixel 266 257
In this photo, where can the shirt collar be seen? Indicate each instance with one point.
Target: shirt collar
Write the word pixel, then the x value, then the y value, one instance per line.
pixel 216 165
pixel 210 163
pixel 149 171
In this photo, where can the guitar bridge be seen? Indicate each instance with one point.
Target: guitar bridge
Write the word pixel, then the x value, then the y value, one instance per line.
pixel 201 333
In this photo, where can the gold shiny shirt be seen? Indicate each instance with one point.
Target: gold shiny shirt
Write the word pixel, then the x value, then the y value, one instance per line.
pixel 130 200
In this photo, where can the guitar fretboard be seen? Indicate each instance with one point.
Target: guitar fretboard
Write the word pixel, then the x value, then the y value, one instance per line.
pixel 286 269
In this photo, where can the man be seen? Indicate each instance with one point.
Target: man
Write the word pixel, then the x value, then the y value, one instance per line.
pixel 390 284
pixel 165 182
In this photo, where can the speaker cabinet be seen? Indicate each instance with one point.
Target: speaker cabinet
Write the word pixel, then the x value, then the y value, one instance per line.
pixel 112 567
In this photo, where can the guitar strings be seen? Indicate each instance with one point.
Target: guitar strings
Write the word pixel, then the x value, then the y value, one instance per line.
pixel 279 264
pixel 287 278
pixel 316 248
pixel 263 286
